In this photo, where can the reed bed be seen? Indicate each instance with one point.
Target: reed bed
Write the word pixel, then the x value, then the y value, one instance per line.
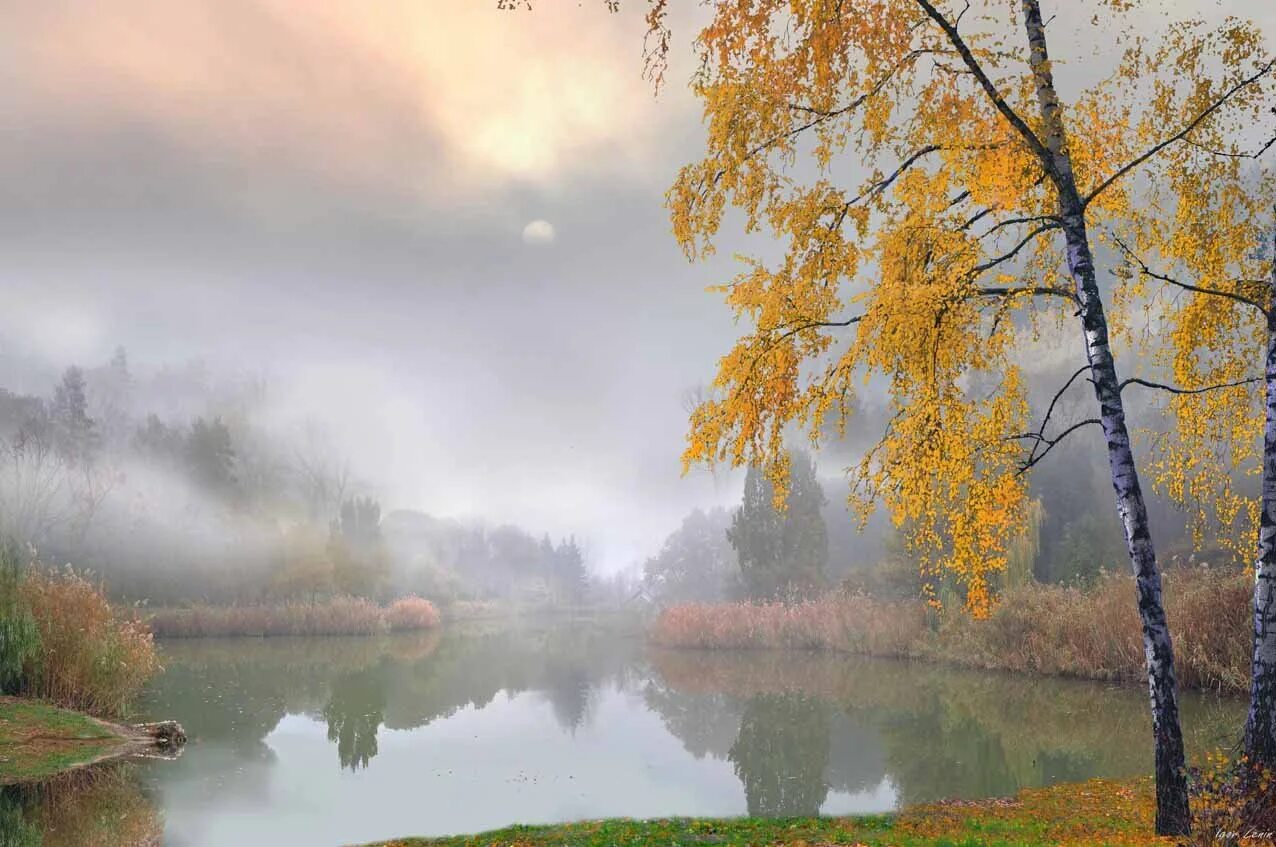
pixel 1091 633
pixel 335 616
pixel 91 656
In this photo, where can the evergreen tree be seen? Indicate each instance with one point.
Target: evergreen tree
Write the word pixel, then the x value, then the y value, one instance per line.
pixel 74 432
pixel 781 554
pixel 210 454
pixel 360 560
pixel 573 579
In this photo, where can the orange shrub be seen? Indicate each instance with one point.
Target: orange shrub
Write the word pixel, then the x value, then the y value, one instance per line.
pixel 411 612
pixel 92 657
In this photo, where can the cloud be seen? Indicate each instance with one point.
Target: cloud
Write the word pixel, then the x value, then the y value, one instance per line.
pixel 428 100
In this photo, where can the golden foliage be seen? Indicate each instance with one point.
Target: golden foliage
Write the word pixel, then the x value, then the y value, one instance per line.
pixel 917 228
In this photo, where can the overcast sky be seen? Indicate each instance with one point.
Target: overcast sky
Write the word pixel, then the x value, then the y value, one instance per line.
pixel 437 226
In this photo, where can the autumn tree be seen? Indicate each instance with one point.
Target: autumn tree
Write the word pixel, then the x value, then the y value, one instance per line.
pixel 946 210
pixel 1217 344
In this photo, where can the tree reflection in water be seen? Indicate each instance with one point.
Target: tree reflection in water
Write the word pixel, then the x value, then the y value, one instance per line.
pixel 102 806
pixel 781 754
pixel 354 713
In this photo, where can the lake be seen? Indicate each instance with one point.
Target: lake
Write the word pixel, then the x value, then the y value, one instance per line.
pixel 346 740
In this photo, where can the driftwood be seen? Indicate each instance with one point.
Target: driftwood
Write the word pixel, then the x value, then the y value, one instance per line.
pixel 167 734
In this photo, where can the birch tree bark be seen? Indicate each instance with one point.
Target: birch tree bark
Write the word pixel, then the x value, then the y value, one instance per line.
pixel 1172 813
pixel 1260 724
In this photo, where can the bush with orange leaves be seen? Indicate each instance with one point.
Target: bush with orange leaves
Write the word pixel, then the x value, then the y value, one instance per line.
pixel 411 612
pixel 92 656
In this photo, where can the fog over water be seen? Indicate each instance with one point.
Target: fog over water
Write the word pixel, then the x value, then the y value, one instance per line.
pixel 435 228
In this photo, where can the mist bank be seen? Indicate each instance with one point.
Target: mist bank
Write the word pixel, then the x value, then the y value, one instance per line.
pixel 180 486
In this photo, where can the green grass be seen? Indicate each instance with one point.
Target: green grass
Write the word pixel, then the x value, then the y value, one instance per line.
pixel 1098 812
pixel 38 740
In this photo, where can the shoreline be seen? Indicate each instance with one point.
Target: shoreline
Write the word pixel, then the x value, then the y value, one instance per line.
pixel 39 741
pixel 1089 813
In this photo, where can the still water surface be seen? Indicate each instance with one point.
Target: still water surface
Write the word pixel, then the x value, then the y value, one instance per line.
pixel 340 740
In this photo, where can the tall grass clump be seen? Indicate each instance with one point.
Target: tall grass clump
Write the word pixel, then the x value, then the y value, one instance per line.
pixel 850 622
pixel 336 616
pixel 92 657
pixel 19 635
pixel 1091 633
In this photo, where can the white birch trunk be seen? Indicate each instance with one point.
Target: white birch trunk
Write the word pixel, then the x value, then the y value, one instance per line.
pixel 1172 814
pixel 1260 724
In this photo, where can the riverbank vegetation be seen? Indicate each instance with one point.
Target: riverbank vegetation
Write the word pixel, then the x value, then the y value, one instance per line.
pixel 1047 629
pixel 65 643
pixel 341 615
pixel 1098 812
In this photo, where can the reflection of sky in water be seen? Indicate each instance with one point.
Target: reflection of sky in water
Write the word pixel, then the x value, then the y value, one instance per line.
pixel 509 762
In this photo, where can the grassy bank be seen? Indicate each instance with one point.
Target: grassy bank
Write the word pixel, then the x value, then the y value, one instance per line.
pixel 1047 629
pixel 1098 812
pixel 334 616
pixel 38 740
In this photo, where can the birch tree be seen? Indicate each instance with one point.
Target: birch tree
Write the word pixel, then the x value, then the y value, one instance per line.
pixel 940 204
pixel 1216 341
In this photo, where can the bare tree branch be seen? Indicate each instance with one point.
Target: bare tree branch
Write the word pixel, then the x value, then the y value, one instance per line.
pixel 1216 292
pixel 1005 257
pixel 1035 290
pixel 1034 457
pixel 1176 390
pixel 1181 134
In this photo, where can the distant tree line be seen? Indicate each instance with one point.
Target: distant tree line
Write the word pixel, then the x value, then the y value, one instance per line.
pixel 178 486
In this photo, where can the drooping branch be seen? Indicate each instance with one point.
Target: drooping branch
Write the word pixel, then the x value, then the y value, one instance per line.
pixel 1039 437
pixel 1215 292
pixel 1005 257
pixel 1034 290
pixel 1177 390
pixel 990 88
pixel 1034 457
pixel 1257 154
pixel 1181 134
pixel 794 330
pixel 884 183
pixel 820 116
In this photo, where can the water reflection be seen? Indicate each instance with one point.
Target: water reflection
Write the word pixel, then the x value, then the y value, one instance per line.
pixel 101 807
pixel 781 753
pixel 354 712
pixel 318 741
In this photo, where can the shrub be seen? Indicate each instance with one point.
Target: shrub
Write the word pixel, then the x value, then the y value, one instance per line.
pixel 91 657
pixel 411 612
pixel 19 636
